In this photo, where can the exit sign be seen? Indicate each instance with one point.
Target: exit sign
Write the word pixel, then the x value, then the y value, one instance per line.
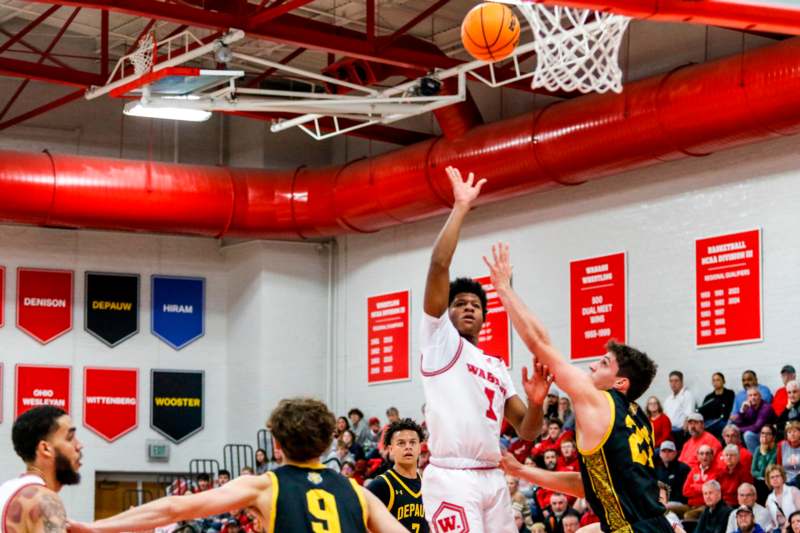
pixel 157 450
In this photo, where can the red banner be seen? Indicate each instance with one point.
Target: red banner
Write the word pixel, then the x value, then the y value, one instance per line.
pixel 44 302
pixel 495 335
pixel 597 304
pixel 387 337
pixel 110 401
pixel 2 298
pixel 42 385
pixel 728 291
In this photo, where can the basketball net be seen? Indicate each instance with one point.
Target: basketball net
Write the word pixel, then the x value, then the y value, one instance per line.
pixel 142 57
pixel 576 49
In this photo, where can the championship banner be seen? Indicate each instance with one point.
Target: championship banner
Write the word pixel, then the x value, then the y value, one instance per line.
pixel 111 307
pixel 597 304
pixel 388 337
pixel 178 309
pixel 42 385
pixel 44 302
pixel 495 335
pixel 176 403
pixel 110 401
pixel 728 289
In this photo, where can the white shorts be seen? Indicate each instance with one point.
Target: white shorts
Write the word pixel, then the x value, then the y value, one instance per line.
pixel 461 501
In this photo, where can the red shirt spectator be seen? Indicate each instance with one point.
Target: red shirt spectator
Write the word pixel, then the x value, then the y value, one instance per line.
pixel 698 437
pixel 781 399
pixel 568 460
pixel 705 469
pixel 553 439
pixel 550 463
pixel 520 449
pixel 662 426
pixel 732 474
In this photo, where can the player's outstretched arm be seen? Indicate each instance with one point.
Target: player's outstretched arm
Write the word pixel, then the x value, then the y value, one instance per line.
pixel 566 482
pixel 527 421
pixel 379 520
pixel 242 492
pixel 437 287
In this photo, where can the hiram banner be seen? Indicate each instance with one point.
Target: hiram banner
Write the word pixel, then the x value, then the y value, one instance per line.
pixel 598 311
pixel 178 309
pixel 111 306
pixel 176 403
pixel 42 385
pixel 388 337
pixel 495 335
pixel 44 302
pixel 728 290
pixel 111 401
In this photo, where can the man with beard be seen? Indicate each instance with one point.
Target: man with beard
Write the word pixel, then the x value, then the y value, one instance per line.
pixel 544 494
pixel 44 438
pixel 698 436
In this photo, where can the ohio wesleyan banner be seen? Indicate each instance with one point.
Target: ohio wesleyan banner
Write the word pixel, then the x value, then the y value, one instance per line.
pixel 176 409
pixel 112 306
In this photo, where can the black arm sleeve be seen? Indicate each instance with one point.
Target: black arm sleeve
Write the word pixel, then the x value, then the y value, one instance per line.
pixel 380 489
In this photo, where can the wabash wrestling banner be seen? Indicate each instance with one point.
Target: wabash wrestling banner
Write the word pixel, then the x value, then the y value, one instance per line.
pixel 44 302
pixel 110 401
pixel 176 409
pixel 178 309
pixel 112 306
pixel 42 385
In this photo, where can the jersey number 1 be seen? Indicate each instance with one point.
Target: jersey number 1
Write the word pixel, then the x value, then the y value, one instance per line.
pixel 322 506
pixel 490 411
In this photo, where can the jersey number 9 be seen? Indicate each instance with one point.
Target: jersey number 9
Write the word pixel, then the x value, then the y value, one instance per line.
pixel 322 506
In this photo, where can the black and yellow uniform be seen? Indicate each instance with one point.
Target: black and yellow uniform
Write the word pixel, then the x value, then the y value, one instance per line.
pixel 619 478
pixel 403 497
pixel 311 499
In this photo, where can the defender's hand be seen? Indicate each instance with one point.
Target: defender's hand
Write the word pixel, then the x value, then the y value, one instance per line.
pixel 538 385
pixel 509 464
pixel 500 268
pixel 464 192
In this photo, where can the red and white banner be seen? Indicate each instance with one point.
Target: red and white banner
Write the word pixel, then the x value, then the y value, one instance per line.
pixel 42 385
pixel 728 289
pixel 495 335
pixel 110 401
pixel 44 302
pixel 597 304
pixel 2 298
pixel 388 337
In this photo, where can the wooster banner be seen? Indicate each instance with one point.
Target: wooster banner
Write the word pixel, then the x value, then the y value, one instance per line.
pixel 110 401
pixel 44 302
pixel 178 309
pixel 112 306
pixel 176 403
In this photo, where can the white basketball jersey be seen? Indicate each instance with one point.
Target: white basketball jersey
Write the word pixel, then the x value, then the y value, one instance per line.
pixel 465 396
pixel 9 489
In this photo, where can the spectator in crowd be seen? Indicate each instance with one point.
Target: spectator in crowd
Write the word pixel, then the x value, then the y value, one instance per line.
pixel 550 405
pixel 678 406
pixel 749 379
pixel 746 495
pixel 392 416
pixel 714 518
pixel 790 407
pixel 589 516
pixel 745 521
pixel 348 469
pixel 538 527
pixel 353 446
pixel 694 488
pixel 358 426
pixel 519 522
pixel 568 460
pixel 698 436
pixel 203 482
pixel 518 500
pixel 788 452
pixel 794 523
pixel 751 417
pixel 342 423
pixel 247 471
pixel 372 447
pixel 731 435
pixel 571 521
pixel 764 456
pixel 553 439
pixel 672 472
pixel 342 455
pixel 544 495
pixel 565 413
pixel 521 448
pixel 732 474
pixel 784 499
pixel 672 518
pixel 554 513
pixel 717 405
pixel 662 427
pixel 262 465
pixel 780 400
pixel 223 476
pixel 526 487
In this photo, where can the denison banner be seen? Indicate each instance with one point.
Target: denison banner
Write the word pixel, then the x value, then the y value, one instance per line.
pixel 176 403
pixel 495 335
pixel 597 304
pixel 728 288
pixel 42 385
pixel 112 306
pixel 110 401
pixel 388 337
pixel 44 302
pixel 178 309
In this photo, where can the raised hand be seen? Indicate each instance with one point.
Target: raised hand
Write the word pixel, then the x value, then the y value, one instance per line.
pixel 500 268
pixel 538 385
pixel 464 192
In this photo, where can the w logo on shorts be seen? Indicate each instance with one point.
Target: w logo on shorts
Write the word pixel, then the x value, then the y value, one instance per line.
pixel 450 518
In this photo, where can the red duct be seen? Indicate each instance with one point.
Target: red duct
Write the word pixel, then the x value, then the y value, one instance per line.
pixel 691 111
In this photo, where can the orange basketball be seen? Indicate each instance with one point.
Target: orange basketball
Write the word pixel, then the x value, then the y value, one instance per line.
pixel 490 31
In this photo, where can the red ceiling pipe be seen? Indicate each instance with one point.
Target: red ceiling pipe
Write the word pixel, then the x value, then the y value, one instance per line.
pixel 691 111
pixel 457 119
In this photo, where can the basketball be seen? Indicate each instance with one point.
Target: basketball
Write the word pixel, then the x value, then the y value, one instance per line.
pixel 490 31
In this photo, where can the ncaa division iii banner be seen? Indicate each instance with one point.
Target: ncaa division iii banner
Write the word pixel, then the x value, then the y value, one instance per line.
pixel 176 398
pixel 112 306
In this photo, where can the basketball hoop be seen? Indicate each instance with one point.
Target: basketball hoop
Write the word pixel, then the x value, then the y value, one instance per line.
pixel 576 49
pixel 142 58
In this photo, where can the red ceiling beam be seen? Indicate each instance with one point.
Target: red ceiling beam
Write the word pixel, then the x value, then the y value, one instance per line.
pixel 27 29
pixel 50 57
pixel 104 42
pixel 272 13
pixel 62 76
pixel 371 21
